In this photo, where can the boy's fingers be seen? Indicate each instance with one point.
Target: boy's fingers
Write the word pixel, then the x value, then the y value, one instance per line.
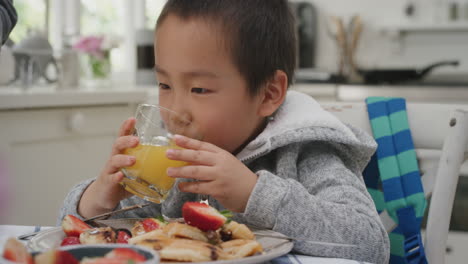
pixel 199 187
pixel 117 162
pixel 117 177
pixel 201 173
pixel 127 127
pixel 191 143
pixel 199 157
pixel 123 143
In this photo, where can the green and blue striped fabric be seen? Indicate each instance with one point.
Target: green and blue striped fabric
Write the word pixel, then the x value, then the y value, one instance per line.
pixel 392 176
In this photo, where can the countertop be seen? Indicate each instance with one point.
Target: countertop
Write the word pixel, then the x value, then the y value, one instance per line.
pixel 50 96
pixel 412 93
pixel 423 93
pixel 12 98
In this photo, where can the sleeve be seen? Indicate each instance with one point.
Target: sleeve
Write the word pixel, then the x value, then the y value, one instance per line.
pixel 8 18
pixel 70 204
pixel 327 202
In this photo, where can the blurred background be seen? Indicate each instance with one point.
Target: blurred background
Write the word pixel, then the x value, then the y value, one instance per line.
pixel 336 37
pixel 74 69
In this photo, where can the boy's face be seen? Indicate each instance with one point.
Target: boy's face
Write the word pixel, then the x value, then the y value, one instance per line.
pixel 198 79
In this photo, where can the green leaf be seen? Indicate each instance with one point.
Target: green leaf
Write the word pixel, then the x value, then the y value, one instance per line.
pixel 161 218
pixel 228 214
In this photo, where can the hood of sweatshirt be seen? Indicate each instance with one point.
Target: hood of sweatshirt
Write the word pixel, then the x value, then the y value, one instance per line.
pixel 301 119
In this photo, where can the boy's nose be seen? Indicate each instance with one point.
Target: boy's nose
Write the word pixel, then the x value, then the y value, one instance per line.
pixel 185 116
pixel 180 120
pixel 182 123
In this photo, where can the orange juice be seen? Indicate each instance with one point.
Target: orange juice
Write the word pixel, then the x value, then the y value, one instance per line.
pixel 149 171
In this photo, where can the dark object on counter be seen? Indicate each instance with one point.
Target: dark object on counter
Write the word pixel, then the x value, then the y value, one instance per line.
pixel 393 76
pixel 307 34
pixel 410 9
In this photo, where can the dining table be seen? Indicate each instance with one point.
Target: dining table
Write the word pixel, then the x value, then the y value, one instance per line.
pixel 7 231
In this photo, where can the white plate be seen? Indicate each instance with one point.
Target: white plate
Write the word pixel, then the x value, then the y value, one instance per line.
pixel 273 247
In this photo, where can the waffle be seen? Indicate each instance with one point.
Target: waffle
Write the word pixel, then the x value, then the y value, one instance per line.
pixel 239 231
pixel 178 230
pixel 178 249
pixel 239 248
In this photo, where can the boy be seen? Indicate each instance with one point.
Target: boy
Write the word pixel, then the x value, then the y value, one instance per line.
pixel 275 159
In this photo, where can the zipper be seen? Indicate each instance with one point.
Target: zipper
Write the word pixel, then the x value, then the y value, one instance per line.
pixel 254 156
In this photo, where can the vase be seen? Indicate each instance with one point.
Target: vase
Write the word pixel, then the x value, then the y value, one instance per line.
pixel 98 71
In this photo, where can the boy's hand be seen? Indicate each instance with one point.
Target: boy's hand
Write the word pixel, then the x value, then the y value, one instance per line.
pixel 218 173
pixel 105 193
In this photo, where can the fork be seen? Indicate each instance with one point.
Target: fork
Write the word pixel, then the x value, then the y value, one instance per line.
pixel 91 219
pixel 204 199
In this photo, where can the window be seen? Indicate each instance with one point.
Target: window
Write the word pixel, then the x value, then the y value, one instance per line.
pixel 99 17
pixel 31 17
pixel 153 9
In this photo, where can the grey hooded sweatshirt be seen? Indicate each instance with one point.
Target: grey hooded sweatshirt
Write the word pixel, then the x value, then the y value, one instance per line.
pixel 310 186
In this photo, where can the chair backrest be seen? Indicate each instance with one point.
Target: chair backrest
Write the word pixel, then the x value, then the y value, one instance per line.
pixel 440 137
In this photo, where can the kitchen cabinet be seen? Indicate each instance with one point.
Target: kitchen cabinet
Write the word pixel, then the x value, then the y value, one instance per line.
pixel 46 149
pixel 456 248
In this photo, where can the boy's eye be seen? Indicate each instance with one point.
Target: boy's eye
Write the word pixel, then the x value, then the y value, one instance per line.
pixel 164 86
pixel 199 90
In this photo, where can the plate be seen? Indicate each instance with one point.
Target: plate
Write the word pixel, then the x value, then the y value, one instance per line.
pixel 273 247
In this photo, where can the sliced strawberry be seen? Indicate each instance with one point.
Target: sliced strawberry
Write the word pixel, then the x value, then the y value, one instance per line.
pixel 126 254
pixel 55 257
pixel 147 225
pixel 202 216
pixel 15 251
pixel 67 241
pixel 73 226
pixel 150 224
pixel 123 235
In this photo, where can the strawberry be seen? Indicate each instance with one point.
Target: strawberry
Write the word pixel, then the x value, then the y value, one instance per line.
pixel 73 226
pixel 67 241
pixel 123 235
pixel 147 225
pixel 150 224
pixel 55 257
pixel 15 251
pixel 125 254
pixel 203 216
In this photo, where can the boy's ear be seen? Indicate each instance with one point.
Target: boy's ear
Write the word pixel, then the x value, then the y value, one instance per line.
pixel 273 93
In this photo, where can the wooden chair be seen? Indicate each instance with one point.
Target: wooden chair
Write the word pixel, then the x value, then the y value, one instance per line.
pixel 440 136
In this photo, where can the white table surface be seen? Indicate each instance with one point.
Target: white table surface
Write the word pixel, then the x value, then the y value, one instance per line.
pixel 7 231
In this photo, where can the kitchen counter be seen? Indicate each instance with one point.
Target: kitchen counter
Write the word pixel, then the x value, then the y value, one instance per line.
pixel 422 93
pixel 320 92
pixel 50 97
pixel 354 93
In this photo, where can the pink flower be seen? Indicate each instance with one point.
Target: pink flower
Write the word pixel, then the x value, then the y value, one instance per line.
pixel 96 46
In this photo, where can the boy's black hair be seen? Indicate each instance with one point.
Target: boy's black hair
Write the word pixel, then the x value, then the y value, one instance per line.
pixel 259 33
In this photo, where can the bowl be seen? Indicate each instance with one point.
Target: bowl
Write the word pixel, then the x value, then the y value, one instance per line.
pixel 99 250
